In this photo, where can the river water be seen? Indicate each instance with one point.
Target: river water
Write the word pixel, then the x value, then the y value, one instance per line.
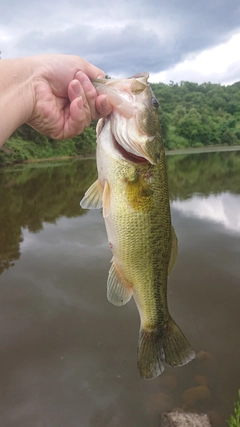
pixel 67 356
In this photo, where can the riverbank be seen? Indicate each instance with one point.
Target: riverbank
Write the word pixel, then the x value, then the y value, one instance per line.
pixel 26 145
pixel 189 150
pixel 208 149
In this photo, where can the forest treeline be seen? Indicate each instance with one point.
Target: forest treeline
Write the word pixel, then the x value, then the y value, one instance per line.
pixel 191 114
pixel 194 115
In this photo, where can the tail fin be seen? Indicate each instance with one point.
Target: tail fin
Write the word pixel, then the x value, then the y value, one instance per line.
pixel 157 347
pixel 150 354
pixel 176 347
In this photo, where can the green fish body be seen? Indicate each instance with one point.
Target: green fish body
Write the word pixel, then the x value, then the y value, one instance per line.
pixel 132 190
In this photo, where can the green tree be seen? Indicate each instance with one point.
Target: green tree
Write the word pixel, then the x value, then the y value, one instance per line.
pixel 190 126
pixel 228 137
pixel 179 114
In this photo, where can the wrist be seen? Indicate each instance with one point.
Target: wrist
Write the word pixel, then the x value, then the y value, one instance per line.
pixel 17 99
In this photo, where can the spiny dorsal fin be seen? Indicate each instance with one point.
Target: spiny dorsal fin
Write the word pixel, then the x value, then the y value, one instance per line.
pixel 118 292
pixel 93 197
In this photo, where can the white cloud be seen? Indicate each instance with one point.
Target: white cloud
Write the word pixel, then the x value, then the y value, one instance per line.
pixel 220 64
pixel 223 208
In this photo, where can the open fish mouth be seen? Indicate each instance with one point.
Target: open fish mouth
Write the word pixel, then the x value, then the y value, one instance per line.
pixel 127 155
pixel 132 151
pixel 125 148
pixel 131 142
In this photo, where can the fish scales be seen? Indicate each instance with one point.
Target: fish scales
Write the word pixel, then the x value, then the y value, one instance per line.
pixel 132 189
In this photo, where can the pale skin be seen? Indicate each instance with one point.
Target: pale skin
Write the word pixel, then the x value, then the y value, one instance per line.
pixel 51 93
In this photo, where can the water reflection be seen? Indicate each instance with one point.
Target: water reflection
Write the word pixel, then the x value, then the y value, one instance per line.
pixel 68 357
pixel 204 174
pixel 223 209
pixel 32 195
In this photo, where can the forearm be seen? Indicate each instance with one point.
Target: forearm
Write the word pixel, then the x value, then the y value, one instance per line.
pixel 52 93
pixel 16 98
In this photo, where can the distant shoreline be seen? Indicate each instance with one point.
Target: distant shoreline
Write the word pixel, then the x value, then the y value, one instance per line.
pixel 189 150
pixel 80 156
pixel 180 151
pixel 209 149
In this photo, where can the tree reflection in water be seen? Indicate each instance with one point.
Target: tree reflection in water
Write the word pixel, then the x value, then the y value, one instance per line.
pixel 33 194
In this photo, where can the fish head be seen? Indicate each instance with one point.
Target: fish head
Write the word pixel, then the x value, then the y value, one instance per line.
pixel 147 117
pixel 134 119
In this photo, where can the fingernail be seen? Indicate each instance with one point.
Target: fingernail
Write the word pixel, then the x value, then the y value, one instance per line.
pixel 105 103
pixel 82 78
pixel 78 73
pixel 77 88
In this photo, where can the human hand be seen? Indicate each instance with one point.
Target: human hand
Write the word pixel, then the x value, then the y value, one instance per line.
pixel 64 99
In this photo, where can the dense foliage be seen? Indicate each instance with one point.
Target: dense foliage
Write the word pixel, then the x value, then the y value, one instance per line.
pixel 196 115
pixel 28 144
pixel 192 115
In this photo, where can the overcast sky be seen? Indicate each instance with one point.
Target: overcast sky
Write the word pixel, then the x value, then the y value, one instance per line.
pixel 194 40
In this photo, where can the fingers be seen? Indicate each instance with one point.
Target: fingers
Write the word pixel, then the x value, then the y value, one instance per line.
pixel 75 119
pixel 103 106
pixel 81 110
pixel 82 105
pixel 89 93
pixel 99 106
pixel 85 105
pixel 74 90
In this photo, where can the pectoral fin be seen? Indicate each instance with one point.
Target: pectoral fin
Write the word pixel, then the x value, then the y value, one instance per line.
pixel 93 197
pixel 174 251
pixel 118 292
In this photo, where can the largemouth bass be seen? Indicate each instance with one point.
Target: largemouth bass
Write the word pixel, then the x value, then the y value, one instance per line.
pixel 132 190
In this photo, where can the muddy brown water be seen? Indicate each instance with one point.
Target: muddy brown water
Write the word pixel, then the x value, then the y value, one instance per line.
pixel 67 356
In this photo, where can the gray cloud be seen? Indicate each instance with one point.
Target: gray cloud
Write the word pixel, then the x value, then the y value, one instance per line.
pixel 121 38
pixel 117 51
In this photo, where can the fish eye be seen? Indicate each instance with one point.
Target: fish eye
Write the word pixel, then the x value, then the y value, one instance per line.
pixel 155 102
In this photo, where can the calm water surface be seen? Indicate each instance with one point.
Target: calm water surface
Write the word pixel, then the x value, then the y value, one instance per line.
pixel 67 356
